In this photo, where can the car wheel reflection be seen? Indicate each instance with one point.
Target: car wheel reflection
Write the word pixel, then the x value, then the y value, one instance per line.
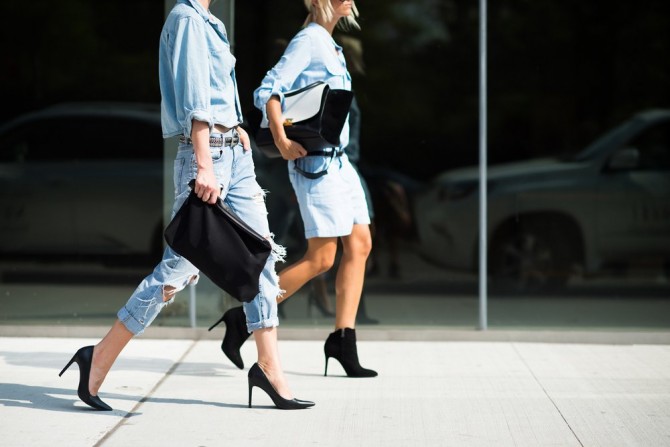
pixel 529 259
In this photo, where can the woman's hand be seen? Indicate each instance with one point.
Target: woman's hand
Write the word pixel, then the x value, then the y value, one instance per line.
pixel 244 138
pixel 289 149
pixel 206 186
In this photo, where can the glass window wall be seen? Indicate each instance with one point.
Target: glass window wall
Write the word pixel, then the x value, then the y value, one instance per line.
pixel 579 182
pixel 578 176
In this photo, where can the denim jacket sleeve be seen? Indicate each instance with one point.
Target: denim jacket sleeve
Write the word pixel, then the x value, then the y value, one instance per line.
pixel 282 76
pixel 190 69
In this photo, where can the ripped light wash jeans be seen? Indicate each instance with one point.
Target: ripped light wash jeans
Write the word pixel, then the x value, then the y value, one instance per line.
pixel 234 169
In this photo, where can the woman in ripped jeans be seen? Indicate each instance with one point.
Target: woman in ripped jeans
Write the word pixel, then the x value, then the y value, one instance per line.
pixel 200 104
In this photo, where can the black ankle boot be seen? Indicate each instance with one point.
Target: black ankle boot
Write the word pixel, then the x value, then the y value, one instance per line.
pixel 235 336
pixel 341 345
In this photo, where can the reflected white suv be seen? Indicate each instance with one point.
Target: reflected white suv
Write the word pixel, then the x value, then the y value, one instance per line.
pixel 606 206
pixel 82 180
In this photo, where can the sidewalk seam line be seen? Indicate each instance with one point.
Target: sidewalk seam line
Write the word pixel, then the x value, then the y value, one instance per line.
pixel 126 417
pixel 532 373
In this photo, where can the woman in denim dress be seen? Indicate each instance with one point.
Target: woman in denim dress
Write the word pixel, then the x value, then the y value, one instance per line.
pixel 200 105
pixel 332 206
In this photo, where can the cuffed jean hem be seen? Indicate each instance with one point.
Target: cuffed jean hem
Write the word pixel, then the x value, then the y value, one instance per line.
pixel 130 322
pixel 263 324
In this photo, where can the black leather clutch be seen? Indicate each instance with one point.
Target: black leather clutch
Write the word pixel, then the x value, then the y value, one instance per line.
pixel 220 245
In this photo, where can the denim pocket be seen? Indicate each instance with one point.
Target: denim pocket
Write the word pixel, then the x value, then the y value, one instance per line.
pixel 217 154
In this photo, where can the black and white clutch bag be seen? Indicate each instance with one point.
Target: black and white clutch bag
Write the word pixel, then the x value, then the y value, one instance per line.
pixel 313 116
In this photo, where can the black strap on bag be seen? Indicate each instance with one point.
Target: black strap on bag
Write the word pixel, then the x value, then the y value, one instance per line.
pixel 315 175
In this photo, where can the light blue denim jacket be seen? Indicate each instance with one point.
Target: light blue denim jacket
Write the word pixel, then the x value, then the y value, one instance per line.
pixel 312 55
pixel 196 70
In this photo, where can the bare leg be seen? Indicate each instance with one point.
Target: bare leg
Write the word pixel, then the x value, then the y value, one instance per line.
pixel 268 360
pixel 108 349
pixel 351 275
pixel 341 344
pixel 105 354
pixel 318 258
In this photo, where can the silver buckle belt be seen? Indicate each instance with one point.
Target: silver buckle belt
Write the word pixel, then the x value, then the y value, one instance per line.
pixel 216 141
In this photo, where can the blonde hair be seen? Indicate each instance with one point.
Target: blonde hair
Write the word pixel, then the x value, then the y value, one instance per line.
pixel 324 9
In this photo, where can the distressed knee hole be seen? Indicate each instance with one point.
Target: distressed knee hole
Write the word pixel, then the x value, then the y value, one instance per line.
pixel 168 293
pixel 259 197
pixel 278 253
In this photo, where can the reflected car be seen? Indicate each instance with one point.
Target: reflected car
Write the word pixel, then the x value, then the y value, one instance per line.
pixel 80 181
pixel 550 218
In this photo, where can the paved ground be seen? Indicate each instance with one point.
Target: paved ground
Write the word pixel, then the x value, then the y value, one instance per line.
pixel 183 392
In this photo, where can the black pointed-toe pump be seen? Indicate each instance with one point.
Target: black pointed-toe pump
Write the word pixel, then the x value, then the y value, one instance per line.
pixel 84 358
pixel 258 378
pixel 235 336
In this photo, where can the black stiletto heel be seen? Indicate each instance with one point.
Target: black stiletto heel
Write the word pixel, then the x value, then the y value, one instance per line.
pixel 84 358
pixel 258 378
pixel 341 345
pixel 250 388
pixel 235 336
pixel 218 322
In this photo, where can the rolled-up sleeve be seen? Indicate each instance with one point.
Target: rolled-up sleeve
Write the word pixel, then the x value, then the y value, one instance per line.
pixel 191 75
pixel 283 75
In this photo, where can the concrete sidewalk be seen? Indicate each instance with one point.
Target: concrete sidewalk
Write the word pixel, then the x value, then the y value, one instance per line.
pixel 181 392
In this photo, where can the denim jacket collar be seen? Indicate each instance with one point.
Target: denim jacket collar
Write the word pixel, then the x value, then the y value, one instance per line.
pixel 216 23
pixel 324 32
pixel 198 7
